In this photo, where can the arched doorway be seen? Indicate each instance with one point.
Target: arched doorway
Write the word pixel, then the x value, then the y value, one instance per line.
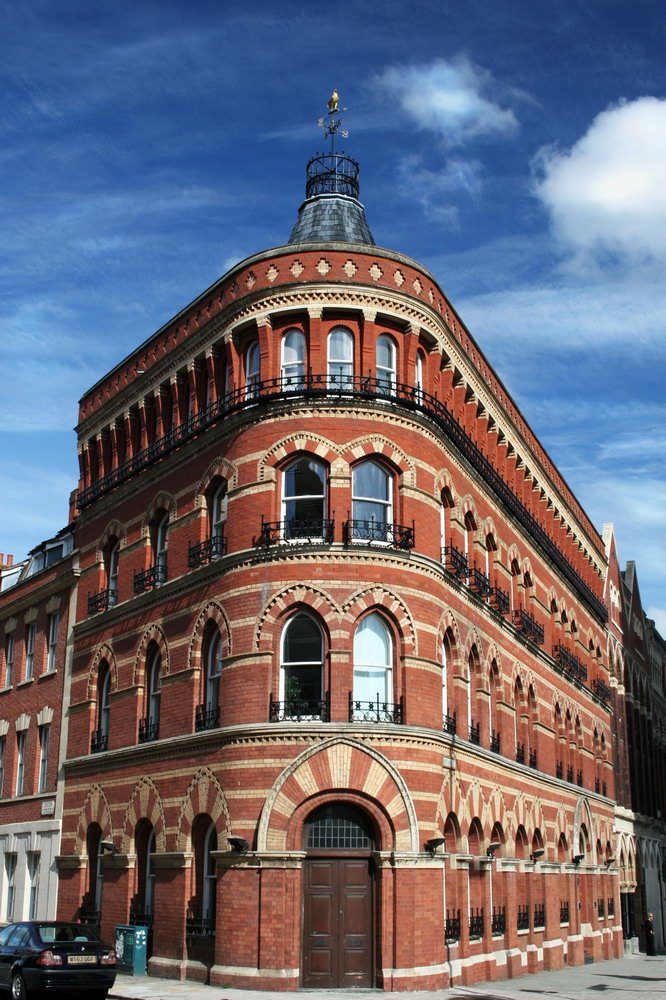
pixel 338 899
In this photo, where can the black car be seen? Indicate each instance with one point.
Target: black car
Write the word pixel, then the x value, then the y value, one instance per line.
pixel 55 958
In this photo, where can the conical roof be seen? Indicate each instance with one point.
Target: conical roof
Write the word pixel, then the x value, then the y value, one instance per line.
pixel 332 212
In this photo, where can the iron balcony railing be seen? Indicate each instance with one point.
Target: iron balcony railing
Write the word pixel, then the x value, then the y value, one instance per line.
pixel 102 601
pixel 476 924
pixel 89 915
pixel 533 758
pixel 579 779
pixel 479 583
pixel 523 918
pixel 399 536
pixel 559 769
pixel 475 733
pixel 455 562
pixel 520 753
pixel 564 912
pixel 198 926
pixel 308 530
pixel 525 622
pixel 450 724
pixel 499 600
pixel 297 709
pixel 139 916
pixel 148 579
pixel 268 391
pixel 539 915
pixel 499 920
pixel 206 717
pixel 149 730
pixel 452 926
pixel 570 663
pixel 99 741
pixel 495 742
pixel 376 711
pixel 202 553
pixel 602 690
pixel 601 908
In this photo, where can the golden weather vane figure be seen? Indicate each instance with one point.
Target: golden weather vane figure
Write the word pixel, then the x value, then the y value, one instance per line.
pixel 330 123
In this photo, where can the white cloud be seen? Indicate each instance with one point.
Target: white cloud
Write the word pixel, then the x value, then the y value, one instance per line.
pixel 607 194
pixel 448 98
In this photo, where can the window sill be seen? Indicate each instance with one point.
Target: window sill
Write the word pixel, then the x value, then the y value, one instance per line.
pixel 6 690
pixel 47 674
pixel 25 683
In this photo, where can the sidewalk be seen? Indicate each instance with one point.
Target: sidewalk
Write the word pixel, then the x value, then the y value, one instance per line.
pixel 633 978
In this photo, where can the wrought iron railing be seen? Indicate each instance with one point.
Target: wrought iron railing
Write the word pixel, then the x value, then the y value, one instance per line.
pixel 90 916
pixel 399 536
pixel 476 924
pixel 564 912
pixel 202 553
pixel 559 769
pixel 310 531
pixel 475 733
pixel 450 724
pixel 520 753
pixel 570 663
pixel 499 920
pixel 499 600
pixel 206 717
pixel 452 926
pixel 268 391
pixel 102 601
pixel 602 690
pixel 148 579
pixel 539 915
pixel 533 758
pixel 198 926
pixel 99 741
pixel 523 918
pixel 298 709
pixel 149 730
pixel 479 583
pixel 455 562
pixel 495 742
pixel 375 711
pixel 139 916
pixel 526 622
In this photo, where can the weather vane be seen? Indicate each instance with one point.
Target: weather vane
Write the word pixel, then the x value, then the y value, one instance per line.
pixel 330 123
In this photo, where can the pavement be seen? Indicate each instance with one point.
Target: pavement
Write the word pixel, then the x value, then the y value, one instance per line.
pixel 634 977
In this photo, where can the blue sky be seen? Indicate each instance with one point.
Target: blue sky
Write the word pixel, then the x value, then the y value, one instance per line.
pixel 517 148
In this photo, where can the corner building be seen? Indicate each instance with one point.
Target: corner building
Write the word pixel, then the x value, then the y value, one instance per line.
pixel 339 706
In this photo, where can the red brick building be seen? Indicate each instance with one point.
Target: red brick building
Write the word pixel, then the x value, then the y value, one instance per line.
pixel 339 704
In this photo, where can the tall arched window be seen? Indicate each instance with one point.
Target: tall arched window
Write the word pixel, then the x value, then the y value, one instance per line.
pixel 304 500
pixel 201 914
pixel 159 532
pixel 293 360
pixel 340 359
pixel 100 737
pixel 252 370
pixel 372 507
pixel 91 911
pixel 111 557
pixel 218 518
pixel 143 905
pixel 385 364
pixel 373 664
pixel 302 669
pixel 149 727
pixel 418 373
pixel 449 713
pixel 208 712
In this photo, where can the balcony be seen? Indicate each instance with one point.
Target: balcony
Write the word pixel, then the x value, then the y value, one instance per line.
pixel 564 912
pixel 452 926
pixel 102 601
pixel 450 724
pixel 499 600
pixel 455 562
pixel 476 924
pixel 399 536
pixel 495 742
pixel 376 711
pixel 499 920
pixel 198 926
pixel 308 531
pixel 149 579
pixel 298 710
pixel 149 730
pixel 475 733
pixel 539 915
pixel 602 690
pixel 570 663
pixel 207 551
pixel 479 583
pixel 525 622
pixel 90 916
pixel 206 718
pixel 520 753
pixel 267 392
pixel 99 741
pixel 523 918
pixel 139 916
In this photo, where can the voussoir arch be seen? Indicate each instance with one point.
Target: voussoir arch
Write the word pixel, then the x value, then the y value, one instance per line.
pixel 204 795
pixel 145 803
pixel 95 809
pixel 212 612
pixel 154 634
pixel 300 443
pixel 305 596
pixel 218 467
pixel 377 446
pixel 382 599
pixel 103 652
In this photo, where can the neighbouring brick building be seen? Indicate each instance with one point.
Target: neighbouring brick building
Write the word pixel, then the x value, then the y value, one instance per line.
pixel 35 613
pixel 340 680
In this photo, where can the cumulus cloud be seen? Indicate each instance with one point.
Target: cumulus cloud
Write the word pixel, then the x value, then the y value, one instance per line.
pixel 448 97
pixel 607 194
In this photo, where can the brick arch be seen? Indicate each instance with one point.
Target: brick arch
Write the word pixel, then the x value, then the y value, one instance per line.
pixel 495 811
pixel 444 481
pixel 212 612
pixel 303 595
pixel 204 795
pixel 154 634
pixel 468 506
pixel 114 529
pixel 451 799
pixel 513 552
pixel 161 501
pixel 95 809
pixel 583 815
pixel 474 639
pixel 338 763
pixel 476 802
pixel 300 442
pixel 218 467
pixel 380 598
pixel 448 621
pixel 103 652
pixel 145 803
pixel 488 527
pixel 378 446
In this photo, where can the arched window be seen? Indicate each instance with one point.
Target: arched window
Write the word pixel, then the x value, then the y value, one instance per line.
pixel 159 532
pixel 91 910
pixel 304 500
pixel 143 906
pixel 338 827
pixel 218 518
pixel 385 364
pixel 340 359
pixel 208 712
pixel 446 504
pixel 201 914
pixel 372 507
pixel 111 557
pixel 293 360
pixel 449 710
pixel 100 737
pixel 419 376
pixel 252 370
pixel 373 663
pixel 302 670
pixel 149 727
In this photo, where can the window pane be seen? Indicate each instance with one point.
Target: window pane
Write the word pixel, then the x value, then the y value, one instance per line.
pixel 293 348
pixel 370 480
pixel 385 352
pixel 302 641
pixel 372 643
pixel 304 478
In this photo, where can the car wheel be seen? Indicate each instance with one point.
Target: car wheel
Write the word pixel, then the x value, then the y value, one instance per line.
pixel 18 987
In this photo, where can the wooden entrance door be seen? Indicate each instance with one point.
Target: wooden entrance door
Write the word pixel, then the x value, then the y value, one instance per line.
pixel 337 922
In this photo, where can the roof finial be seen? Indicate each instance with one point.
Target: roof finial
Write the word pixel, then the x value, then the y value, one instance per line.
pixel 333 126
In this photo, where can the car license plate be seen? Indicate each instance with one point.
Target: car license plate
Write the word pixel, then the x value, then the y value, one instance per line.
pixel 82 959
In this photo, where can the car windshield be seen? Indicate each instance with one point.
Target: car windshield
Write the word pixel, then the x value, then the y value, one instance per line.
pixel 65 932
